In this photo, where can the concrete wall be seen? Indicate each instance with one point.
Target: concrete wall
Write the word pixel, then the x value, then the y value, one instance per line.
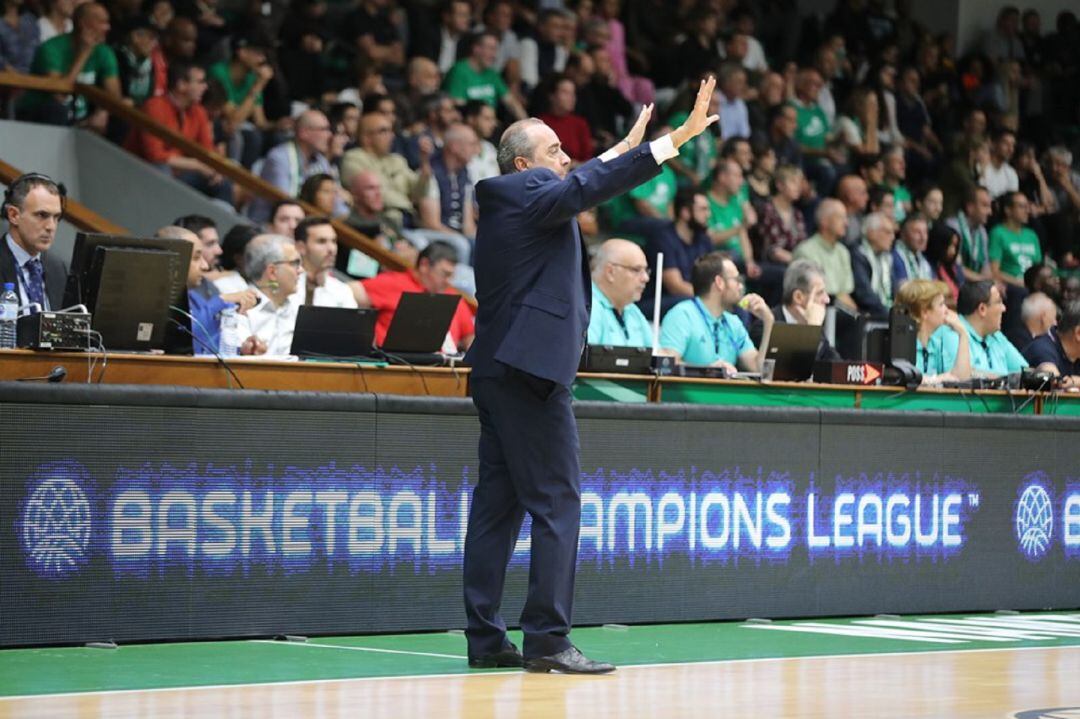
pixel 105 178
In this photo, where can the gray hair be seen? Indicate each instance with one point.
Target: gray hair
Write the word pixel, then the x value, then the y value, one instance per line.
pixel 1061 154
pixel 515 142
pixel 1035 304
pixel 827 207
pixel 263 251
pixel 874 222
pixel 798 276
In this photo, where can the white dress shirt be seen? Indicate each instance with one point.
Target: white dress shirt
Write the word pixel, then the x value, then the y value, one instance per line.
pixel 273 325
pixel 332 293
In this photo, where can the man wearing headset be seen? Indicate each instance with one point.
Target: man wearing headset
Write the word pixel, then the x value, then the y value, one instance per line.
pixel 33 206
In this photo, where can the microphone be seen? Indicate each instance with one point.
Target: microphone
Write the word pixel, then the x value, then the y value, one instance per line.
pixel 56 375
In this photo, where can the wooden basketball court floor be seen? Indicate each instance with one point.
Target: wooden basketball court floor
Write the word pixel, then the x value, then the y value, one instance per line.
pixel 992 665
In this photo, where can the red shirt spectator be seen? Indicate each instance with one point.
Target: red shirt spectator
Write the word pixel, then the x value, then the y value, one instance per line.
pixel 384 292
pixel 180 110
pixel 573 130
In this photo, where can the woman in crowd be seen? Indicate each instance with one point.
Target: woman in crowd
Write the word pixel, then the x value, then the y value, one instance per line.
pixel 781 226
pixel 320 190
pixel 931 203
pixel 943 253
pixel 858 126
pixel 924 301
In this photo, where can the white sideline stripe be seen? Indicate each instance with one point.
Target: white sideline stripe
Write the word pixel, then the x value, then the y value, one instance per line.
pixel 358 649
pixel 864 632
pixel 503 673
pixel 489 675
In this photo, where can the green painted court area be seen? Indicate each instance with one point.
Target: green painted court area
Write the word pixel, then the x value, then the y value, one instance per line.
pixel 154 666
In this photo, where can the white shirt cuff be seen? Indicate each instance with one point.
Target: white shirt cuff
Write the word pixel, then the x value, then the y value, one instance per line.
pixel 662 150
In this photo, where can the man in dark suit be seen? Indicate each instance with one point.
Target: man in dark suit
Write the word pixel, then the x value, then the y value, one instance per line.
pixel 532 280
pixel 804 303
pixel 33 206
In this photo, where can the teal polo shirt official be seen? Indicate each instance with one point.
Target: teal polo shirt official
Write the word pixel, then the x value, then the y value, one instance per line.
pixel 690 329
pixel 930 359
pixel 607 327
pixel 993 353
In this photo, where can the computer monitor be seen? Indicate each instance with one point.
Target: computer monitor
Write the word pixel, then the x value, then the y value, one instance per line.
pixel 888 343
pixel 128 284
pixel 794 348
pixel 420 322
pixel 339 332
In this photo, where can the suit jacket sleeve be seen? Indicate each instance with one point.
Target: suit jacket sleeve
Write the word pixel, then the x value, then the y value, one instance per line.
pixel 864 295
pixel 550 202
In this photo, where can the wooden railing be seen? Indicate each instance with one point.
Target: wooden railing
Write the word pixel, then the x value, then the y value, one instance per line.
pixel 240 176
pixel 74 212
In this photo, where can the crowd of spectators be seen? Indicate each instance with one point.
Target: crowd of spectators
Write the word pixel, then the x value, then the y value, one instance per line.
pixel 856 147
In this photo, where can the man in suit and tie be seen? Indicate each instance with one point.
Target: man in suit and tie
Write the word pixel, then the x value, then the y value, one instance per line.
pixel 33 206
pixel 532 281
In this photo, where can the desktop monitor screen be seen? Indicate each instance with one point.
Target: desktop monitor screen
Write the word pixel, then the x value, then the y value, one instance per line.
pixel 129 284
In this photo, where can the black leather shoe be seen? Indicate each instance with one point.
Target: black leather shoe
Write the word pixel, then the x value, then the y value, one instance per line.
pixel 568 661
pixel 504 658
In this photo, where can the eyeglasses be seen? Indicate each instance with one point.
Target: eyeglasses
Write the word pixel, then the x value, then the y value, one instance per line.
pixel 635 269
pixel 295 264
pixel 741 279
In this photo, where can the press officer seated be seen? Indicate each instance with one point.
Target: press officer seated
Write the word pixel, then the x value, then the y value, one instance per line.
pixel 316 241
pixel 1038 314
pixel 206 304
pixel 273 266
pixel 619 276
pixel 981 308
pixel 435 268
pixel 805 302
pixel 704 330
pixel 1058 351
pixel 33 206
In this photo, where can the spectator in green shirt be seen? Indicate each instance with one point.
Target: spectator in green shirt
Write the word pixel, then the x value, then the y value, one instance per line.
pixel 895 173
pixel 243 79
pixel 619 277
pixel 475 77
pixel 813 131
pixel 731 216
pixel 79 56
pixel 1013 247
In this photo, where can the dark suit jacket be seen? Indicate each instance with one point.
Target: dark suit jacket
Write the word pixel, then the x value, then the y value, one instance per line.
pixel 864 294
pixel 55 273
pixel 532 269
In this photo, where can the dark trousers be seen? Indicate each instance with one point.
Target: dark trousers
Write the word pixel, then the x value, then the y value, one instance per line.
pixel 528 463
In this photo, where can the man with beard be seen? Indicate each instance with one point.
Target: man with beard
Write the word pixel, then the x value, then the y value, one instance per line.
pixel 316 242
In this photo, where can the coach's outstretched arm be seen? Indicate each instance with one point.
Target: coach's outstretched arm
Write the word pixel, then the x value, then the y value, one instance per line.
pixel 551 201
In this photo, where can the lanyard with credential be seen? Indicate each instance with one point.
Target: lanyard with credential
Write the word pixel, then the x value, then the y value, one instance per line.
pixel 714 328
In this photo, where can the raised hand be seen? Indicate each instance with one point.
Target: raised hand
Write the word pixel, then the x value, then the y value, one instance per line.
pixel 699 118
pixel 637 132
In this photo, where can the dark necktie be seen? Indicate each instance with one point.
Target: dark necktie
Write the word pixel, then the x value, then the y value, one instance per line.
pixel 35 282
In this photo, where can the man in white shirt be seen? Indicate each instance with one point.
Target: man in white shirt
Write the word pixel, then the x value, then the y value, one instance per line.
pixel 999 177
pixel 316 242
pixel 274 266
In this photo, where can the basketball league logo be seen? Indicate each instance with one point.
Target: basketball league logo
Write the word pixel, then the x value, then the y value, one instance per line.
pixel 1034 520
pixel 55 531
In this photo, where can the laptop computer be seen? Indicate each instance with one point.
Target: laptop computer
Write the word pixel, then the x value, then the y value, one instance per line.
pixel 419 326
pixel 333 332
pixel 794 349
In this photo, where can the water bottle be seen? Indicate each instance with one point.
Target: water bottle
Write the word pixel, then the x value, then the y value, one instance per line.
pixel 229 345
pixel 9 314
